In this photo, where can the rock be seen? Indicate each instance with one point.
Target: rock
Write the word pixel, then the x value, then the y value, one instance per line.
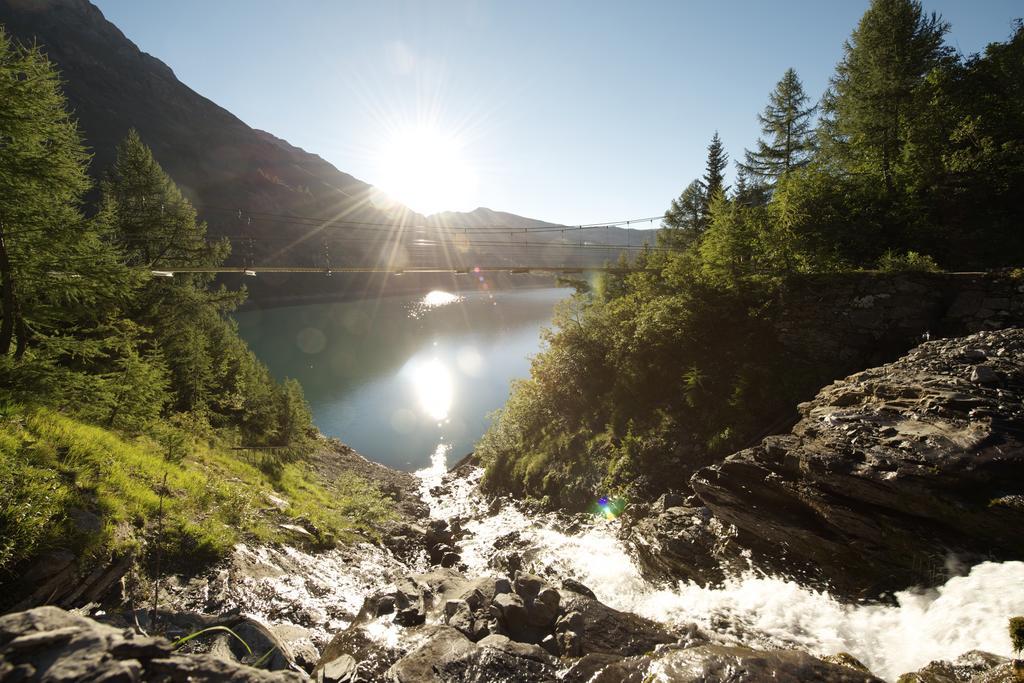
pixel 734 664
pixel 577 587
pixel 550 645
pixel 339 670
pixel 570 643
pixel 448 656
pixel 527 586
pixel 887 473
pixel 449 559
pixel 609 631
pixel 49 644
pixel 570 621
pixel 984 375
pixel 588 666
pixel 669 500
pixel 967 668
pixel 512 610
pixel 459 616
pixel 846 659
pixel 527 650
pixel 544 609
pixel 385 605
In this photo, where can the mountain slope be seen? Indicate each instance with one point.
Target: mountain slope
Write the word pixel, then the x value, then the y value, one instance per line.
pixel 279 204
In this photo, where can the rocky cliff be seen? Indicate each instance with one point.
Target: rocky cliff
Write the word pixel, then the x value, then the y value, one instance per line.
pixel 892 477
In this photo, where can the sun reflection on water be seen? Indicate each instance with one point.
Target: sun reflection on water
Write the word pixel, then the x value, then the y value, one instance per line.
pixel 434 387
pixel 433 299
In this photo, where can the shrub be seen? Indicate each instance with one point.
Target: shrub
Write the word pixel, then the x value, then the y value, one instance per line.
pixel 893 262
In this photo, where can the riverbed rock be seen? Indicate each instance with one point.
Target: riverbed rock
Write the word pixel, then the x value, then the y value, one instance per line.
pixel 605 630
pixel 50 644
pixel 888 473
pixel 727 663
pixel 975 666
pixel 447 656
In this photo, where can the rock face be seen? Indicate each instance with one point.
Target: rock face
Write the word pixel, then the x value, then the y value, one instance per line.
pixel 889 473
pixel 49 644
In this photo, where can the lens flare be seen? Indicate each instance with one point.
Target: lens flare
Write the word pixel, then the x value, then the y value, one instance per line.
pixel 609 508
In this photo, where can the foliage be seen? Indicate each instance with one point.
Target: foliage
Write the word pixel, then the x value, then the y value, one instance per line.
pixel 684 221
pixel 51 465
pixel 872 96
pixel 891 262
pixel 1016 628
pixel 714 172
pixel 787 123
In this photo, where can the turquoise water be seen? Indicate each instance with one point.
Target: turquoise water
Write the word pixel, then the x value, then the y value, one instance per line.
pixel 397 377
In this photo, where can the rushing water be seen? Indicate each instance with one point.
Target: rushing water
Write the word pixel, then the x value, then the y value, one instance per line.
pixel 394 377
pixel 966 613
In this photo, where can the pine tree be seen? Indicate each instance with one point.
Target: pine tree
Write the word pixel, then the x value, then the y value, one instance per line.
pixel 714 171
pixel 684 221
pixel 155 222
pixel 871 96
pixel 787 126
pixel 58 272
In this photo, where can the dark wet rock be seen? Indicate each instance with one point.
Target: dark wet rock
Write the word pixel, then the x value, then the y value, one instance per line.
pixel 458 615
pixel 339 670
pixel 448 656
pixel 971 667
pixel 516 648
pixel 570 643
pixel 683 543
pixel 527 586
pixel 588 666
pixel 512 610
pixel 49 644
pixel 609 631
pixel 544 609
pixel 888 473
pixel 846 659
pixel 577 587
pixel 734 664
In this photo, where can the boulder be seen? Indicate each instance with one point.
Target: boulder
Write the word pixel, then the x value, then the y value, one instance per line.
pixel 49 644
pixel 971 667
pixel 606 630
pixel 887 473
pixel 447 656
pixel 734 664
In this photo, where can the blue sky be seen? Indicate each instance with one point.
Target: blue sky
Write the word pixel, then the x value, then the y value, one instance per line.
pixel 573 112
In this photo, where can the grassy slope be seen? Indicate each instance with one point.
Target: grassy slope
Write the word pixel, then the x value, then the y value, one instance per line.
pixel 52 466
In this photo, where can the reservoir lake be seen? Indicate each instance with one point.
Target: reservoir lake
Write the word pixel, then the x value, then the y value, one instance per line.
pixel 402 378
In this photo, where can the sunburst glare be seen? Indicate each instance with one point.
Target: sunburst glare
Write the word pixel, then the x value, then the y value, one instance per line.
pixel 424 168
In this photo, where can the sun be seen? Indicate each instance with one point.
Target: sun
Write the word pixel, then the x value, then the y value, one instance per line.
pixel 425 169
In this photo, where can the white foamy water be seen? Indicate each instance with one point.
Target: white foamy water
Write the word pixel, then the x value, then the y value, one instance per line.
pixel 966 613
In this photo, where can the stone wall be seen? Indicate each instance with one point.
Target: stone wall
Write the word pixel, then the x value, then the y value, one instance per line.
pixel 840 323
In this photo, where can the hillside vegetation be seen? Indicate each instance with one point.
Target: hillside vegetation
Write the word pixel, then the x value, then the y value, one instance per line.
pixel 113 378
pixel 913 160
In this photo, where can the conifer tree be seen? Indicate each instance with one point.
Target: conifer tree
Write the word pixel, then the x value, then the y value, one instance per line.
pixel 871 96
pixel 684 220
pixel 786 123
pixel 58 273
pixel 714 171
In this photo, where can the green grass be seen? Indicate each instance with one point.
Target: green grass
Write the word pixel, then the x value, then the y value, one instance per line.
pixel 52 465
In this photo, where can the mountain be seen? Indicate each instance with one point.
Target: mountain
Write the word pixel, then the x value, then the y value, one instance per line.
pixel 279 204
